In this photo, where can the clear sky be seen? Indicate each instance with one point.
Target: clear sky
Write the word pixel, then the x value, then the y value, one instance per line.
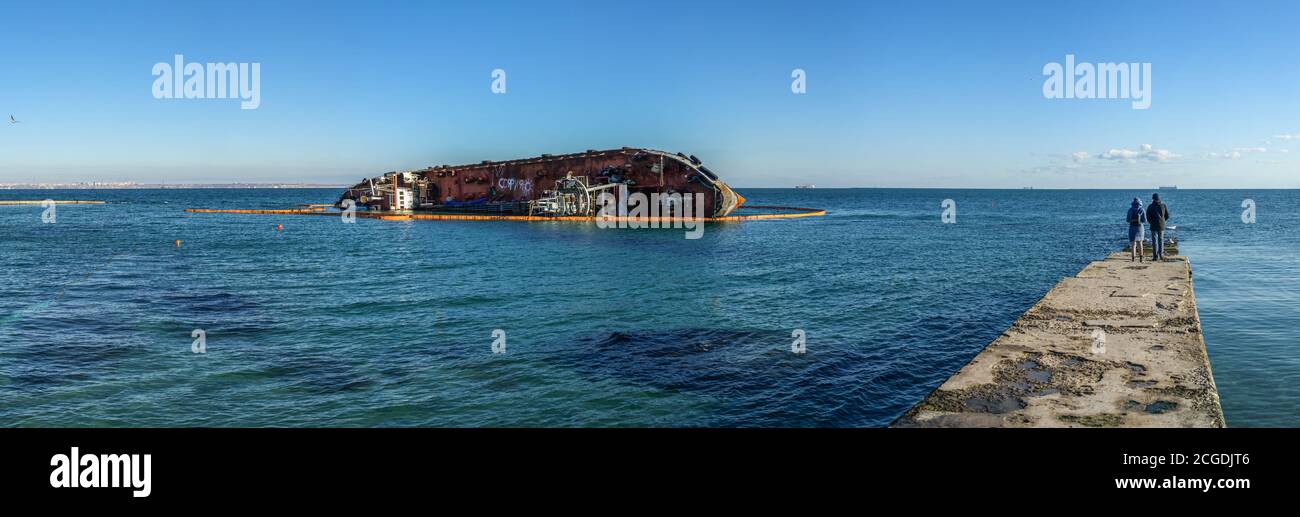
pixel 899 94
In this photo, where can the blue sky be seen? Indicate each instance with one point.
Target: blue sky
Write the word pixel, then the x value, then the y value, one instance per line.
pixel 899 94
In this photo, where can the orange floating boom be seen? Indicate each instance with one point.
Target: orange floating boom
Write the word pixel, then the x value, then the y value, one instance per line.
pixel 791 212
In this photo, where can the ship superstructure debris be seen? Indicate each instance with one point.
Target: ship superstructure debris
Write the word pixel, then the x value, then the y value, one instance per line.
pixel 549 185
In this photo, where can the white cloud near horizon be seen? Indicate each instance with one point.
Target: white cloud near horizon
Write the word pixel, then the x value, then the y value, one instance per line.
pixel 1145 152
pixel 1113 159
pixel 1238 152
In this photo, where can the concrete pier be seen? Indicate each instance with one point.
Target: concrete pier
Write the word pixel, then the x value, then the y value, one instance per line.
pixel 1118 345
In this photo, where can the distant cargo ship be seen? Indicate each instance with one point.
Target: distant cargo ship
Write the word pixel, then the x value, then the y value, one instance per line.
pixel 1169 187
pixel 806 185
pixel 548 185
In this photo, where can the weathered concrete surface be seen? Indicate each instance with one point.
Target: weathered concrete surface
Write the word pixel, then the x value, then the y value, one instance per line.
pixel 1047 370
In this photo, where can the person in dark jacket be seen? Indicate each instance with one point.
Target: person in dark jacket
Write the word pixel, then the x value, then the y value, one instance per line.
pixel 1135 219
pixel 1157 215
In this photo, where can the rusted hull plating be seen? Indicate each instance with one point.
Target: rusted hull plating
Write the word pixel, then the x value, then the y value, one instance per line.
pixel 520 187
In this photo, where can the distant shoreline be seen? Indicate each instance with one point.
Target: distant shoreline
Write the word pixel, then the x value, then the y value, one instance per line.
pixel 147 186
pixel 1117 189
pixel 181 186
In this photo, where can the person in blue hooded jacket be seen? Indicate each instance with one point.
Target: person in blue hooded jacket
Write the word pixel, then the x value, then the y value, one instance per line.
pixel 1135 239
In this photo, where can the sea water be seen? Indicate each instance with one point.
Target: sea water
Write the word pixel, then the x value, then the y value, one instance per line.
pixel 390 323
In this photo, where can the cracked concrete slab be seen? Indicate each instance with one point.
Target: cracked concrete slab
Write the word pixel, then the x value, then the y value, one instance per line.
pixel 1118 345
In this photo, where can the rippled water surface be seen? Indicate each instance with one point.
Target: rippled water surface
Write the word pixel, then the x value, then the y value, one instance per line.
pixel 383 323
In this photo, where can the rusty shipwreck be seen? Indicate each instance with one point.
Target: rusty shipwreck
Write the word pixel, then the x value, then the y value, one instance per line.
pixel 547 185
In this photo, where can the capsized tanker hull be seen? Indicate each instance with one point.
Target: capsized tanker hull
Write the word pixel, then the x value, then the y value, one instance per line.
pixel 546 185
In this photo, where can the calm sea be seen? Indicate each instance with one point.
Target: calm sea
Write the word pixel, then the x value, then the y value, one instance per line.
pixel 383 323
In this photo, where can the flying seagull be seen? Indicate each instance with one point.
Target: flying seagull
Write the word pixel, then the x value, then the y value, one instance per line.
pixel 13 120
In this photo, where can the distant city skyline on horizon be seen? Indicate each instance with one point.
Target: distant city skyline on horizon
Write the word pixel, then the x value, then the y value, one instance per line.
pixel 836 94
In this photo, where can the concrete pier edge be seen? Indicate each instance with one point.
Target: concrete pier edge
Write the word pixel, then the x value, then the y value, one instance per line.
pixel 1117 345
